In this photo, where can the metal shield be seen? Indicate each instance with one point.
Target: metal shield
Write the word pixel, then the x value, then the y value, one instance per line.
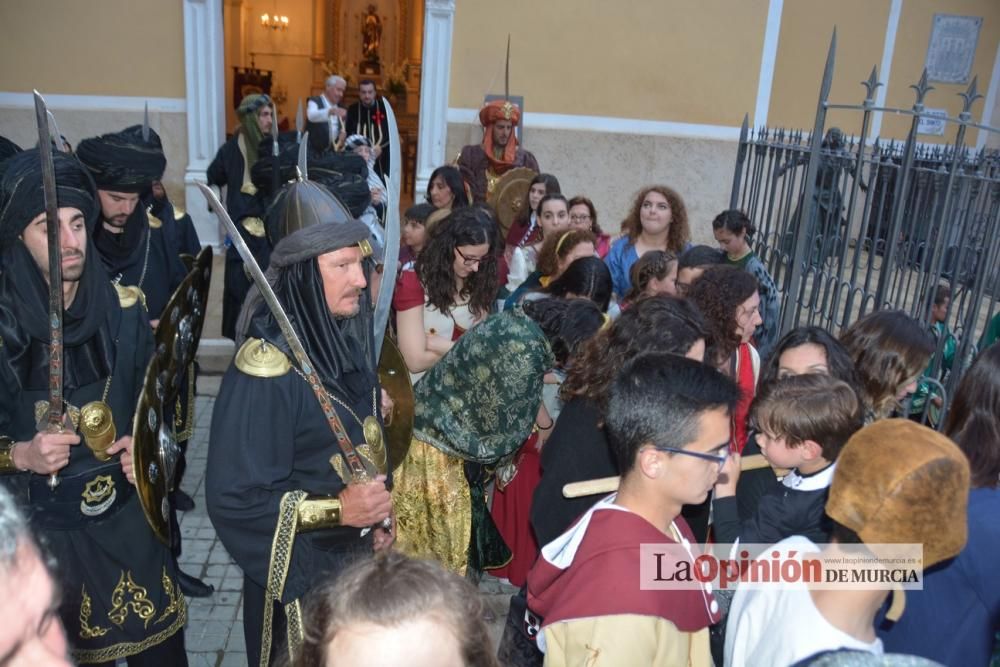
pixel 395 379
pixel 509 194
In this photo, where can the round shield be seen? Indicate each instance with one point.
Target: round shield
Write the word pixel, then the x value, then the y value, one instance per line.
pixel 395 379
pixel 509 194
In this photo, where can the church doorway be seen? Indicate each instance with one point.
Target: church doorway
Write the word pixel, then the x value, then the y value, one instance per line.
pixel 287 49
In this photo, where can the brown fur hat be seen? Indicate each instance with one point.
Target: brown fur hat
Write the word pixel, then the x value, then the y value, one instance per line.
pixel 898 482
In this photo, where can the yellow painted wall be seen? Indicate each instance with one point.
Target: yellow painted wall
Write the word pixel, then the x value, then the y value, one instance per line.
pixel 672 60
pixel 99 47
pixel 910 54
pixel 806 28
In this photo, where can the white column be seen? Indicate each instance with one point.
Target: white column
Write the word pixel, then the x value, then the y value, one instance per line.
pixel 206 98
pixel 435 78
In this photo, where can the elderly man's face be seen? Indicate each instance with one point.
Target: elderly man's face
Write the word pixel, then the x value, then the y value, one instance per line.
pixel 367 94
pixel 343 280
pixel 502 129
pixel 335 92
pixel 265 117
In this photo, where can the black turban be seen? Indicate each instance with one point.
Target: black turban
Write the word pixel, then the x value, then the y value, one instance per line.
pixel 87 323
pixel 22 198
pixel 122 161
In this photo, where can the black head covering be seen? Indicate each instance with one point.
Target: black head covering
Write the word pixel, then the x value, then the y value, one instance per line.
pixel 8 148
pixel 346 176
pixel 87 324
pixel 342 350
pixel 122 161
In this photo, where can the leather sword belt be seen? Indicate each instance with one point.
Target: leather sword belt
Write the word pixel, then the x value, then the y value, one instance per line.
pixel 88 497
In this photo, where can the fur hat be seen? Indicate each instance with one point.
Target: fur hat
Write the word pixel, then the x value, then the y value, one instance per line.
pixel 898 482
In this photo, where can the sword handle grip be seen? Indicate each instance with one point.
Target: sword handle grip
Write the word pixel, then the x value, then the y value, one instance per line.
pixel 53 481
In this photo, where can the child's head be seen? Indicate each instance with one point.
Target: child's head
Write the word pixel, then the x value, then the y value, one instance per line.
pixel 692 263
pixel 652 274
pixel 414 230
pixel 668 420
pixel 805 420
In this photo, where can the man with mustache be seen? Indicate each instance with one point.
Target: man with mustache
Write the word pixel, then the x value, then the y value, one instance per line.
pixel 139 250
pixel 285 512
pixel 119 584
pixel 483 164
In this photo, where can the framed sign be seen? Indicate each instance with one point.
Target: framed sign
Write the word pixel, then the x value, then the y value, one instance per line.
pixel 934 124
pixel 952 47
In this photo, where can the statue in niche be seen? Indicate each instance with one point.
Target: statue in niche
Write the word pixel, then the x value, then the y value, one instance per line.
pixel 371 35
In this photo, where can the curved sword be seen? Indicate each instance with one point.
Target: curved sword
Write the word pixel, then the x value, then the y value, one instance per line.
pixel 390 263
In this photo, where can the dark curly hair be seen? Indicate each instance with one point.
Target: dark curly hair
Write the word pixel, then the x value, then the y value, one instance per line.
pixel 678 233
pixel 717 294
pixel 452 177
pixel 435 266
pixel 586 278
pixel 558 247
pixel 889 349
pixel 657 324
pixel 838 361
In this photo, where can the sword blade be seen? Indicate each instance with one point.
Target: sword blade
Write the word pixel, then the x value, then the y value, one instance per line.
pixel 359 469
pixel 56 134
pixel 55 266
pixel 299 122
pixel 390 264
pixel 275 160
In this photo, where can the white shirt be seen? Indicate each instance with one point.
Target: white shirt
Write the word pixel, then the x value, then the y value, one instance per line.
pixel 779 626
pixel 317 113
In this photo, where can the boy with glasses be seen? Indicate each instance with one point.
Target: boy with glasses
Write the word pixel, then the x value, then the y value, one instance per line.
pixel 668 421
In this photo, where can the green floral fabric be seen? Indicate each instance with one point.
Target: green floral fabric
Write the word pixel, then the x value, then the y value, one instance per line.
pixel 479 402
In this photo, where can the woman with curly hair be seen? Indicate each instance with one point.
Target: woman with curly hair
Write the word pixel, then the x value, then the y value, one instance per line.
pixel 890 350
pixel 451 286
pixel 658 221
pixel 578 449
pixel 728 299
pixel 446 189
pixel 583 215
pixel 558 252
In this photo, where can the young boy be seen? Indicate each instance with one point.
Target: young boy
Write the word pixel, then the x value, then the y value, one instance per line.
pixel 803 422
pixel 896 483
pixel 667 421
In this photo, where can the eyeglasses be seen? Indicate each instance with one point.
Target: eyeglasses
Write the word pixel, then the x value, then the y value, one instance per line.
pixel 469 261
pixel 579 218
pixel 720 459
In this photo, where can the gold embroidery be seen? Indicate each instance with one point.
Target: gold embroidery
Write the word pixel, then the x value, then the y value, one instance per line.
pixel 87 631
pixel 296 635
pixel 138 602
pixel 281 558
pixel 254 226
pixel 98 489
pixel 188 427
pixel 125 649
pixel 173 593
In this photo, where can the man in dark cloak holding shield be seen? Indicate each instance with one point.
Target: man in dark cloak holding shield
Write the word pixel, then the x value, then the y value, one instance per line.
pixel 120 599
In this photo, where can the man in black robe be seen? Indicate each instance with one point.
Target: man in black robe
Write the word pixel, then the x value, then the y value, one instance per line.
pixel 140 250
pixel 284 514
pixel 178 222
pixel 231 169
pixel 135 248
pixel 120 599
pixel 367 117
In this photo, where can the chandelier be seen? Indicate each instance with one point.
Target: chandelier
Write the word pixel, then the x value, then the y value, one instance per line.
pixel 274 22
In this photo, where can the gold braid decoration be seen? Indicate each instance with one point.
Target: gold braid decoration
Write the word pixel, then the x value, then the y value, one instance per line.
pixel 88 631
pixel 173 593
pixel 281 558
pixel 296 635
pixel 125 649
pixel 139 602
pixel 186 430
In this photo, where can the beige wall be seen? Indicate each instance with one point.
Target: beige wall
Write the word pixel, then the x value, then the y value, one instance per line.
pixel 671 60
pixel 105 47
pixel 610 168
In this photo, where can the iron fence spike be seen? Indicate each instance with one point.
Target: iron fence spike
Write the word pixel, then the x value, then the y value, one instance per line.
pixel 970 96
pixel 921 88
